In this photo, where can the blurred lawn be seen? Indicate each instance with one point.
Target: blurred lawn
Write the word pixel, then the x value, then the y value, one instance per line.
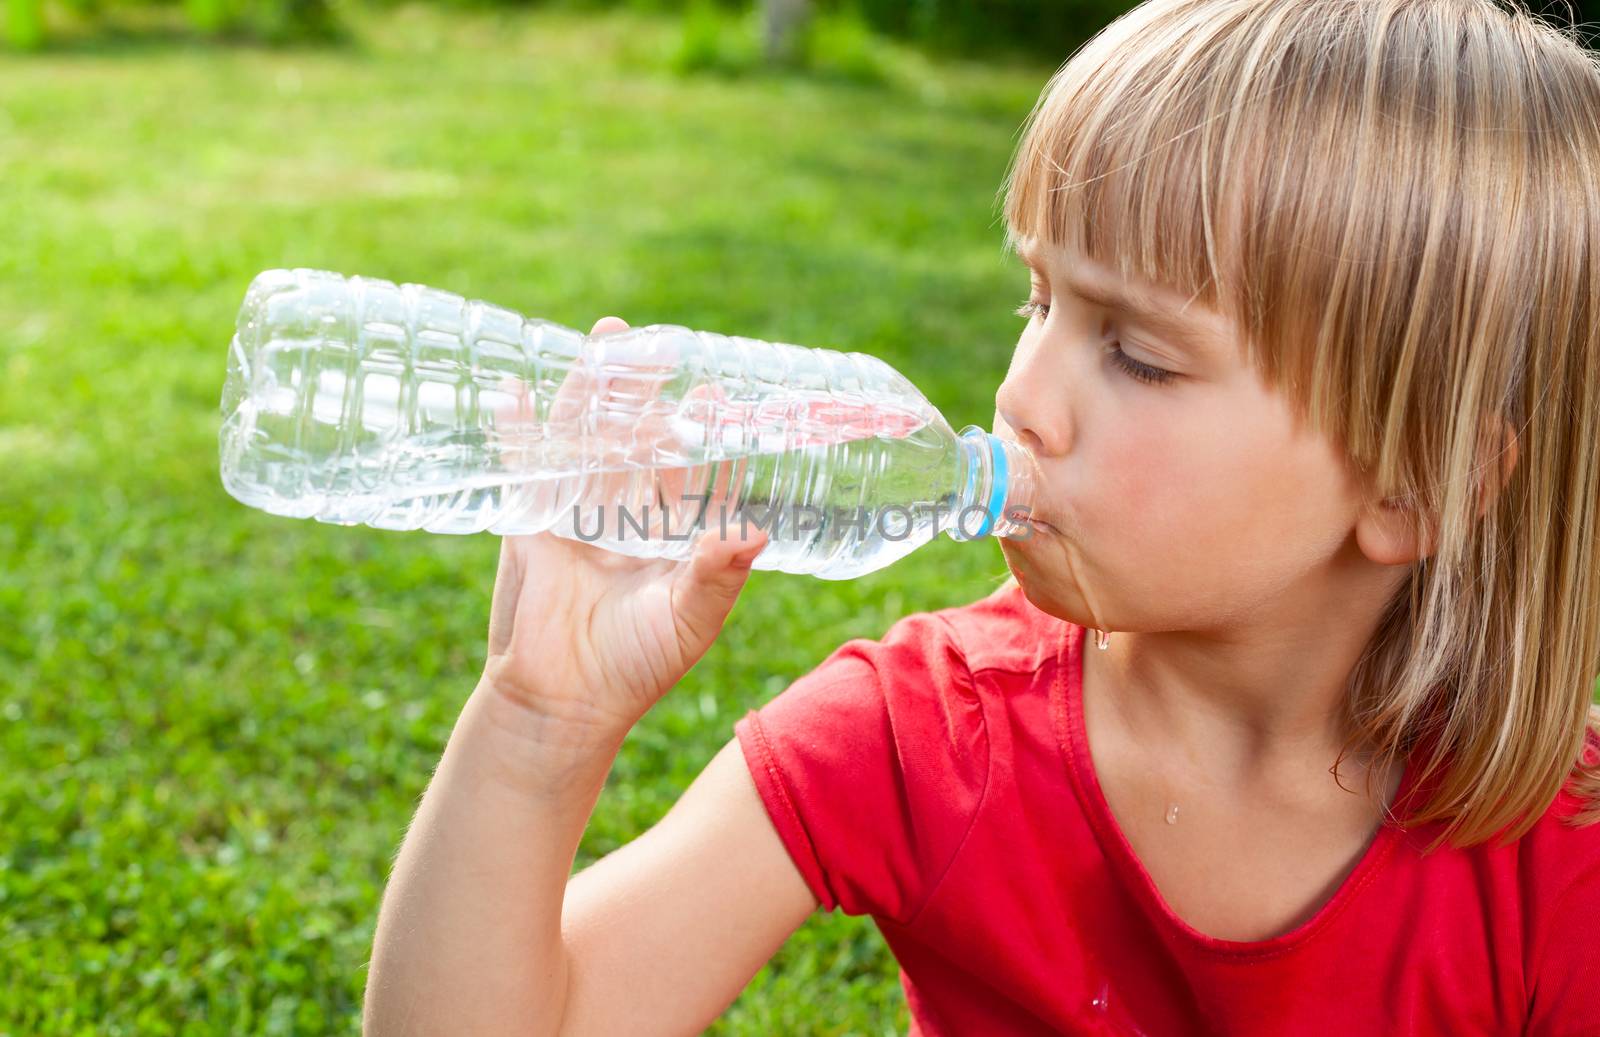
pixel 217 723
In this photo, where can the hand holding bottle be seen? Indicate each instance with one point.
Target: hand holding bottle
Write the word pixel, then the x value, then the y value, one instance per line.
pixel 583 641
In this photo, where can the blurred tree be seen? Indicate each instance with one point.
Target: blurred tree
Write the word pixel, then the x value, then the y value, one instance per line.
pixel 784 25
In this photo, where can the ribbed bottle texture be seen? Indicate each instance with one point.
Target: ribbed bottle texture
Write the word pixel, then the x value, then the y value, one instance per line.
pixel 355 400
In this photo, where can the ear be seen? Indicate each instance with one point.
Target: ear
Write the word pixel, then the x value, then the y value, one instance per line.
pixel 1395 531
pixel 1392 531
pixel 1506 454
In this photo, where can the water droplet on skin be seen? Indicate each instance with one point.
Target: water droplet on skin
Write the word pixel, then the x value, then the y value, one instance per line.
pixel 1102 640
pixel 1172 814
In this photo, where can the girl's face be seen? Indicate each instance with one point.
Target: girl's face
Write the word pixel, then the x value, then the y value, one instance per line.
pixel 1177 492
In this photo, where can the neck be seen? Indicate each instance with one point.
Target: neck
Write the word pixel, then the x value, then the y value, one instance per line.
pixel 1247 700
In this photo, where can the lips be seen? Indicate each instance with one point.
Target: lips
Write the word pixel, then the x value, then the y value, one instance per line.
pixel 1039 524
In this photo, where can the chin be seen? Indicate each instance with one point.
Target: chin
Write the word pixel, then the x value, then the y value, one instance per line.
pixel 1047 603
pixel 1051 595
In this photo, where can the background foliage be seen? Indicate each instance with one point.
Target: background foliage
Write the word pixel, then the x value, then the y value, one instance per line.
pixel 215 724
pixel 1040 27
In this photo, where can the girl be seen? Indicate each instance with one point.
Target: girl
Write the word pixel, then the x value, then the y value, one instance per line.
pixel 1282 725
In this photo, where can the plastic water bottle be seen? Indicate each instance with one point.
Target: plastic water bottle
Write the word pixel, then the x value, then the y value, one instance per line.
pixel 354 400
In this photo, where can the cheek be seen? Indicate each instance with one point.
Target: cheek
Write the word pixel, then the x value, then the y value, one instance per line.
pixel 1231 495
pixel 1146 479
pixel 1183 511
pixel 1191 492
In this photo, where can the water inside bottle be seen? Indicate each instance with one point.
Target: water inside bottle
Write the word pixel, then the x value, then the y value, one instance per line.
pixel 836 509
pixel 643 479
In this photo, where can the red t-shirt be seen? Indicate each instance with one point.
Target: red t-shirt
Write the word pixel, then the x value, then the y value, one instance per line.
pixel 939 780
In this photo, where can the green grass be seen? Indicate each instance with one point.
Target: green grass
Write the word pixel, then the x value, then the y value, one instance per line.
pixel 217 723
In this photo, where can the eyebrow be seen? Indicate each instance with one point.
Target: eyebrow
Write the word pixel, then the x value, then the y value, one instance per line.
pixel 1181 332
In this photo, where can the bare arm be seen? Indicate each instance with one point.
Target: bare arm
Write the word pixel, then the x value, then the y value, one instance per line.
pixel 666 931
pixel 482 932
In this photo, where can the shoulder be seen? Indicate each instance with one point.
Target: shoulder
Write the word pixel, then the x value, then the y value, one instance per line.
pixel 1004 632
pixel 874 764
pixel 1560 871
pixel 912 684
pixel 936 655
pixel 1559 857
pixel 1557 847
pixel 917 690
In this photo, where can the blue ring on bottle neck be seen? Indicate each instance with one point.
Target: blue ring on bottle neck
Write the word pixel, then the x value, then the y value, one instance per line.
pixel 997 492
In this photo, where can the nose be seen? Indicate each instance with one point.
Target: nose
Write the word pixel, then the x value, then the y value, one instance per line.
pixel 1039 417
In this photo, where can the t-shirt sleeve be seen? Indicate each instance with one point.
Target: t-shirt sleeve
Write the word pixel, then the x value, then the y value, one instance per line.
pixel 872 767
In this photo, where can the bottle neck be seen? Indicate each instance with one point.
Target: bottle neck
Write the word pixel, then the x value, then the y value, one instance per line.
pixel 999 480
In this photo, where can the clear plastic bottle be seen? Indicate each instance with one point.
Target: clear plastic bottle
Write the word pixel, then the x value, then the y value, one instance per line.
pixel 354 400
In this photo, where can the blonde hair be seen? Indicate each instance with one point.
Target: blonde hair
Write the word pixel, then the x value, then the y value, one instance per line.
pixel 1398 203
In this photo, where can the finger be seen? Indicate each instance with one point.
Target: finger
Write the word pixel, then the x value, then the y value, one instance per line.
pixel 576 385
pixel 541 436
pixel 576 420
pixel 630 371
pixel 568 393
pixel 707 587
pixel 630 436
pixel 507 588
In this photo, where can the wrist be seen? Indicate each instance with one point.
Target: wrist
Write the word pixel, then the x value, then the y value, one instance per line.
pixel 533 751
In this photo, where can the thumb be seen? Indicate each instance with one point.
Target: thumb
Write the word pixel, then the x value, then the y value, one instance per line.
pixel 710 583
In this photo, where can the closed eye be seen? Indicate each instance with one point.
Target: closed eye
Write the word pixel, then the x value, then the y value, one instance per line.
pixel 1133 368
pixel 1031 309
